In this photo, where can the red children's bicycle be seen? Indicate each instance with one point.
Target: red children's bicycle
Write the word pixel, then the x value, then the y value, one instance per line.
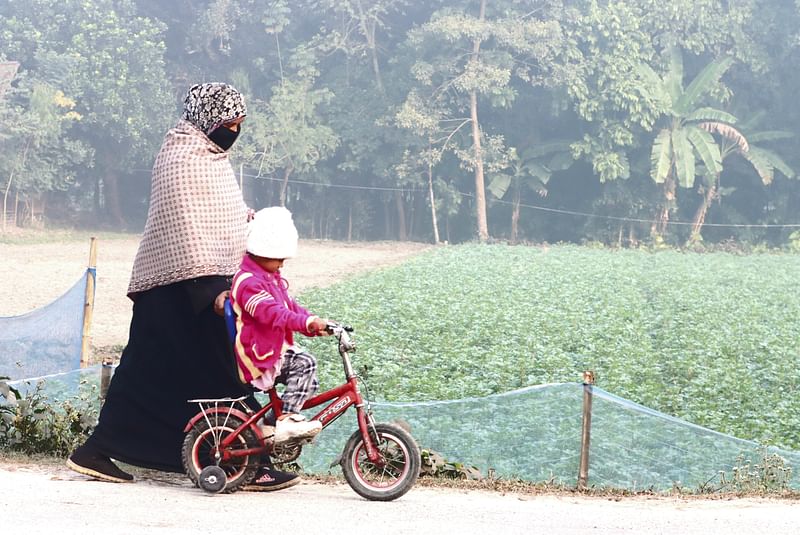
pixel 224 441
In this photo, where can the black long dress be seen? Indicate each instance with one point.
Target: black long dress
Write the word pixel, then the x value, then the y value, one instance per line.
pixel 178 349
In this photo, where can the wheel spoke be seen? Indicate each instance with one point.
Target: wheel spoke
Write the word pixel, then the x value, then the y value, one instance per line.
pixel 392 473
pixel 391 467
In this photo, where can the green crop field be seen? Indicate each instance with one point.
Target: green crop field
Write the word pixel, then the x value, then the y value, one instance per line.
pixel 710 338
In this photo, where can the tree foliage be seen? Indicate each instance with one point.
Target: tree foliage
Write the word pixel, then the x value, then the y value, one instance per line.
pixel 380 119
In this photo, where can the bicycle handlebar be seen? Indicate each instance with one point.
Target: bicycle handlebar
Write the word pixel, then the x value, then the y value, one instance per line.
pixel 333 327
pixel 341 333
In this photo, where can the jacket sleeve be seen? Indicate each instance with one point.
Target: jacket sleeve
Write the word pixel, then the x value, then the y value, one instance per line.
pixel 265 309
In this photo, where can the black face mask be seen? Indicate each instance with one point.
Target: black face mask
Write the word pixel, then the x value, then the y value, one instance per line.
pixel 224 137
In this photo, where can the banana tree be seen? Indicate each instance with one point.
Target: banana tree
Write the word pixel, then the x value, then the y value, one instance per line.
pixel 686 135
pixel 764 161
pixel 533 169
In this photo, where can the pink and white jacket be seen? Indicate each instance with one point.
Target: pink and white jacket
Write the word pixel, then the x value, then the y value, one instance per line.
pixel 266 318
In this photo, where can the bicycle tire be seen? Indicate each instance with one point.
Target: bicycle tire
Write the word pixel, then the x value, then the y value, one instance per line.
pixel 198 445
pixel 393 477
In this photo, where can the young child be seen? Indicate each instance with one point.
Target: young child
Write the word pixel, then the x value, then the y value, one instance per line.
pixel 267 317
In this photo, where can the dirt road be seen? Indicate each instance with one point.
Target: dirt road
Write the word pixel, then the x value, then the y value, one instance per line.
pixel 54 500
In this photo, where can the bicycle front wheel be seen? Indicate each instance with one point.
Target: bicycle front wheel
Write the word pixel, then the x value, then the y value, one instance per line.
pixel 393 474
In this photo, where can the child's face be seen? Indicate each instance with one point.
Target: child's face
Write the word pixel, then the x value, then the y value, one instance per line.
pixel 270 265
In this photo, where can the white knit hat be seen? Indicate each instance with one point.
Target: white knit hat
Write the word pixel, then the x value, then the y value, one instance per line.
pixel 272 234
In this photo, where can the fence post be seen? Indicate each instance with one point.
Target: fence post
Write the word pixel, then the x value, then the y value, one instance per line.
pixel 586 430
pixel 105 376
pixel 88 302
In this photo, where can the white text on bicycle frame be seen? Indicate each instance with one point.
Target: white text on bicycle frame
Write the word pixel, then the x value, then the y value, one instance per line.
pixel 335 408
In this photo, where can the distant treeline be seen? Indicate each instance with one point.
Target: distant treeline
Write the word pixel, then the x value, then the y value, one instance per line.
pixel 621 122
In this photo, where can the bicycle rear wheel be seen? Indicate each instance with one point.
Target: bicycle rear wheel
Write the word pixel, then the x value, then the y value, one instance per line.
pixel 201 445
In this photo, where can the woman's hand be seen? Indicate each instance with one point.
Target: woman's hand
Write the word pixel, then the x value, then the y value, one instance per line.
pixel 219 302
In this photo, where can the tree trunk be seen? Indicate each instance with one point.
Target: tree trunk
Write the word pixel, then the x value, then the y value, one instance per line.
pixel 515 214
pixel 480 191
pixel 5 199
pixel 97 197
pixel 662 220
pixel 11 178
pixel 633 241
pixel 368 30
pixel 433 205
pixel 111 191
pixel 350 223
pixel 285 184
pixel 401 217
pixel 702 210
pixel 410 215
pixel 387 220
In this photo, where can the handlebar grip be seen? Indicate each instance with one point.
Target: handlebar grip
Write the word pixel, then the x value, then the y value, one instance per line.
pixel 331 326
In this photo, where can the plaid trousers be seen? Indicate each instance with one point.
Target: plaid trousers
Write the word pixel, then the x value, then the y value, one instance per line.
pixel 299 374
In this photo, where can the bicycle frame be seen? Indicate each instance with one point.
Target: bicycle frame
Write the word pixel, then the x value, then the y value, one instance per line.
pixel 341 398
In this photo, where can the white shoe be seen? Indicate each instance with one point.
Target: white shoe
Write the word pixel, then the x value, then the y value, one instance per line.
pixel 295 427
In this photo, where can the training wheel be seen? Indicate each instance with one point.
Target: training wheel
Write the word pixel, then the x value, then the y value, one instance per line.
pixel 212 479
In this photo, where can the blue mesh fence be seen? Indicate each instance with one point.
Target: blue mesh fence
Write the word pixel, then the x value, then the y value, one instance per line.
pixel 47 340
pixel 635 447
pixel 59 387
pixel 501 432
pixel 534 434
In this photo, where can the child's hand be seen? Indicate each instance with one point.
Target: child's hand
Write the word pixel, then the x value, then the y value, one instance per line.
pixel 318 326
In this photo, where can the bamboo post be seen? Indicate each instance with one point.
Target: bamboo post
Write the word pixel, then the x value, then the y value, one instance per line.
pixel 586 430
pixel 88 303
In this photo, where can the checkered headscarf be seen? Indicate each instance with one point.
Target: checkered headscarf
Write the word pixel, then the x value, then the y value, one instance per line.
pixel 209 105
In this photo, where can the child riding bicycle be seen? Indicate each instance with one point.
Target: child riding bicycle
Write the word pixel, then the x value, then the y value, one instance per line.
pixel 266 319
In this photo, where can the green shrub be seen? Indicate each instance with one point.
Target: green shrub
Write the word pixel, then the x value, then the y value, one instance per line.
pixel 435 465
pixel 35 424
pixel 768 474
pixel 794 241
